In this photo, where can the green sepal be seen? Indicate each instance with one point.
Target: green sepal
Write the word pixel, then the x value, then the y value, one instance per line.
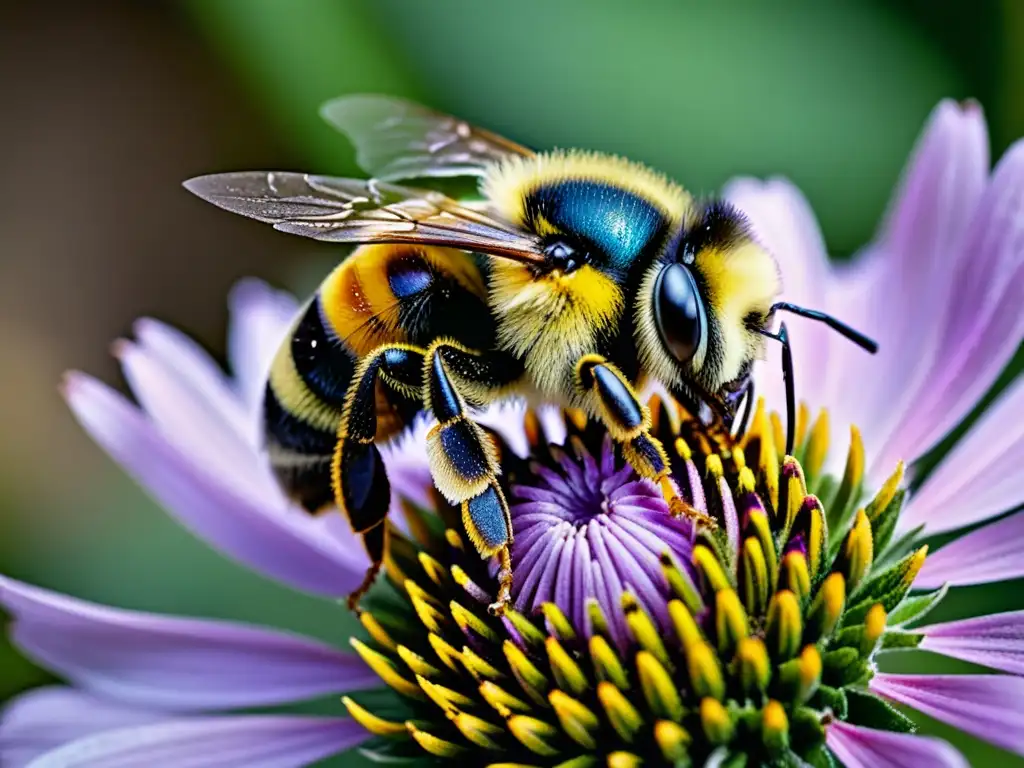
pixel 900 641
pixel 888 588
pixel 884 523
pixel 831 698
pixel 866 709
pixel 820 757
pixel 914 608
pixel 806 729
pixel 843 667
pixel 897 549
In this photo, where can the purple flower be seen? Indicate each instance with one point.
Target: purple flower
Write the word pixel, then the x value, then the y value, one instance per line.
pixel 633 636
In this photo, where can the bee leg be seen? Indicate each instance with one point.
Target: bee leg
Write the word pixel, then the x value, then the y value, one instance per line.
pixel 463 458
pixel 628 422
pixel 358 478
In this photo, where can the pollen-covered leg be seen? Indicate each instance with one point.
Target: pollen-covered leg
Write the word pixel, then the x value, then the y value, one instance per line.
pixel 358 477
pixel 464 462
pixel 628 422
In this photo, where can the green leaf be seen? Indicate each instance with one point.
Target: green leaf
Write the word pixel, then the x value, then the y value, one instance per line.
pixel 872 712
pixel 914 608
pixel 897 549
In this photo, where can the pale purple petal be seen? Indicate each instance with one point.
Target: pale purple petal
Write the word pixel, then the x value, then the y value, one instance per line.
pixel 979 478
pixel 983 326
pixel 260 319
pixel 193 364
pixel 252 741
pixel 990 707
pixel 173 663
pixel 915 258
pixel 784 223
pixel 284 544
pixel 195 423
pixel 45 718
pixel 991 553
pixel 995 641
pixel 858 747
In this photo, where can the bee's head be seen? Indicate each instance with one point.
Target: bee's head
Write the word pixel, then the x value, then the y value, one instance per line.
pixel 703 304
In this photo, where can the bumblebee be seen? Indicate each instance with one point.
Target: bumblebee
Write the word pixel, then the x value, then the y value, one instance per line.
pixel 574 279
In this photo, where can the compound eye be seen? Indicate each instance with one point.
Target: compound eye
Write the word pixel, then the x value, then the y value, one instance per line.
pixel 678 312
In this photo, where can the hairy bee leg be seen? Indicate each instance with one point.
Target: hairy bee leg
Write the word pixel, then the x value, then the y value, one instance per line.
pixel 628 422
pixel 358 478
pixel 463 459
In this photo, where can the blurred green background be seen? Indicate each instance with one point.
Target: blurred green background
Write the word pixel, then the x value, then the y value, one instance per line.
pixel 109 105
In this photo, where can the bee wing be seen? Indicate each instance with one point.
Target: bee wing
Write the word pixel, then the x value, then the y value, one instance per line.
pixel 364 211
pixel 397 139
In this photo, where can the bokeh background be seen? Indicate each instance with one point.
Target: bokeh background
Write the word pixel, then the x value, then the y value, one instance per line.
pixel 107 106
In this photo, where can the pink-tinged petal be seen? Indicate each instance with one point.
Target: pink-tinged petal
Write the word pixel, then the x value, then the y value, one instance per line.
pixel 196 424
pixel 785 224
pixel 916 255
pixel 260 319
pixel 990 707
pixel 995 641
pixel 252 741
pixel 984 326
pixel 991 553
pixel 165 662
pixel 193 366
pixel 978 479
pixel 858 747
pixel 284 544
pixel 46 718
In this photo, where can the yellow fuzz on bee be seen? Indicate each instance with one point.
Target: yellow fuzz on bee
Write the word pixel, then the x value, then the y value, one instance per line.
pixel 509 183
pixel 551 321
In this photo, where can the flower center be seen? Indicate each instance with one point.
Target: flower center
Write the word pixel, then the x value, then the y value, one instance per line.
pixel 636 639
pixel 588 530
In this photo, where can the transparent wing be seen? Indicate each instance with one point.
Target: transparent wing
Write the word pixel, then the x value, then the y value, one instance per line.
pixel 363 211
pixel 397 139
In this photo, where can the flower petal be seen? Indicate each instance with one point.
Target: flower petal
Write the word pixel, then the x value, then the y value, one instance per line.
pixel 858 747
pixel 990 707
pixel 982 327
pixel 45 718
pixel 978 479
pixel 995 641
pixel 914 259
pixel 991 553
pixel 197 424
pixel 783 221
pixel 190 363
pixel 260 319
pixel 174 663
pixel 284 544
pixel 253 741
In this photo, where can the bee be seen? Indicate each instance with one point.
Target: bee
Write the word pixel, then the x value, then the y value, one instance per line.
pixel 573 279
